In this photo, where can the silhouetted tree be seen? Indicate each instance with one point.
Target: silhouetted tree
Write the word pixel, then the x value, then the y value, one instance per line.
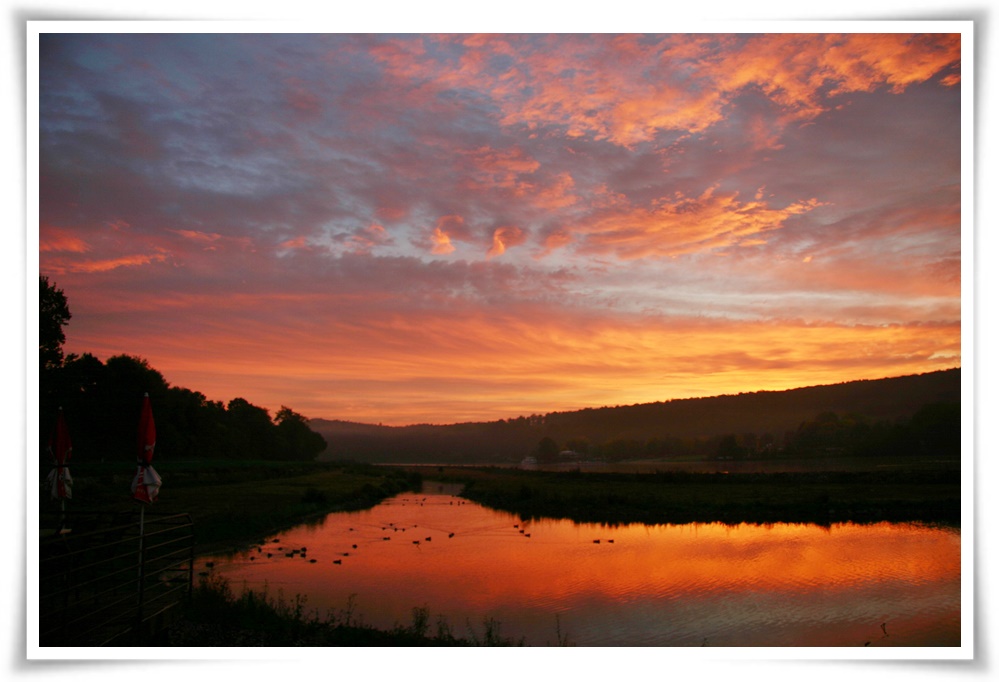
pixel 937 429
pixel 102 400
pixel 296 440
pixel 547 450
pixel 729 447
pixel 53 315
pixel 77 387
pixel 250 431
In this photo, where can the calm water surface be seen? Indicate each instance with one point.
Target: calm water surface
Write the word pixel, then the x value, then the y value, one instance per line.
pixel 662 585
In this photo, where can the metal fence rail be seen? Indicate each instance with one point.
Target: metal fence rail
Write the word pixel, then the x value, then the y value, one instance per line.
pixel 112 585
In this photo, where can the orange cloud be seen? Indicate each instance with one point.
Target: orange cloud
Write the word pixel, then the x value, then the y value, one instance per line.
pixel 555 240
pixel 796 70
pixel 691 81
pixel 863 61
pixel 615 104
pixel 441 242
pixel 679 225
pixel 504 238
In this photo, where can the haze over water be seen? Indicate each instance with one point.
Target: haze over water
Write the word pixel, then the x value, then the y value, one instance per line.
pixel 663 585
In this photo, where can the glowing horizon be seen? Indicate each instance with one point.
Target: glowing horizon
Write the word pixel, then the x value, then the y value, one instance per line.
pixel 408 229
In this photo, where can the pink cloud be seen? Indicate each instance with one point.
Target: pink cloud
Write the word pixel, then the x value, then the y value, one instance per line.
pixel 363 240
pixel 295 243
pixel 560 193
pixel 58 239
pixel 500 169
pixel 303 99
pixel 62 266
pixel 213 240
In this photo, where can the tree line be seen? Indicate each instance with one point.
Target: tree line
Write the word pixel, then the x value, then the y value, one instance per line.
pixel 934 430
pixel 101 403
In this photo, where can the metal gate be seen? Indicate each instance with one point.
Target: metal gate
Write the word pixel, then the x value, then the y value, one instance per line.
pixel 112 585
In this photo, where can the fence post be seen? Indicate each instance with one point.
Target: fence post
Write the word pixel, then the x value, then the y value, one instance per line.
pixel 142 570
pixel 190 567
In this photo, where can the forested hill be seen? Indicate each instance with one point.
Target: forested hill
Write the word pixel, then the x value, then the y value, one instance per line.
pixel 760 422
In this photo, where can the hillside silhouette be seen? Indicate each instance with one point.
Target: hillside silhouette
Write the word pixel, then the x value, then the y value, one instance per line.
pixel 888 416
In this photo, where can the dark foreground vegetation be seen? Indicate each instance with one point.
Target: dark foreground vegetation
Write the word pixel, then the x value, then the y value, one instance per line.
pixel 216 616
pixel 678 497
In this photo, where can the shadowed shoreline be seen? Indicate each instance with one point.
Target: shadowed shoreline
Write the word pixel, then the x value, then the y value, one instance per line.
pixel 821 498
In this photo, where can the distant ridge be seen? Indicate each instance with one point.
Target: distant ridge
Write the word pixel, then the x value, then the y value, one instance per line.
pixel 761 412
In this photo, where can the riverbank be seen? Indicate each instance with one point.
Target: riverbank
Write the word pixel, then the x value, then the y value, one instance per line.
pixel 236 503
pixel 231 508
pixel 682 497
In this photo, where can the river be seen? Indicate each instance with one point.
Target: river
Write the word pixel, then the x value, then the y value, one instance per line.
pixel 555 581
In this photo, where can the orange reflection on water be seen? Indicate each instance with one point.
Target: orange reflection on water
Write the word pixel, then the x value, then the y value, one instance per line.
pixel 468 563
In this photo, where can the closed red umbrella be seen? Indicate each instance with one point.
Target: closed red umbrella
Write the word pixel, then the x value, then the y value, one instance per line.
pixel 60 447
pixel 146 484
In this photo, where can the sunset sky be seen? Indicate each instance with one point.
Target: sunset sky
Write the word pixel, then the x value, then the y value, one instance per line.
pixel 419 228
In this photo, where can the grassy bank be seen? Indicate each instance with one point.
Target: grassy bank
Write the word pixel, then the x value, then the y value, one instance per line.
pixel 681 497
pixel 216 617
pixel 233 503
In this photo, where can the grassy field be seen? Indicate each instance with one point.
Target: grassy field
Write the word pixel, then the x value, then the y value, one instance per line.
pixel 681 497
